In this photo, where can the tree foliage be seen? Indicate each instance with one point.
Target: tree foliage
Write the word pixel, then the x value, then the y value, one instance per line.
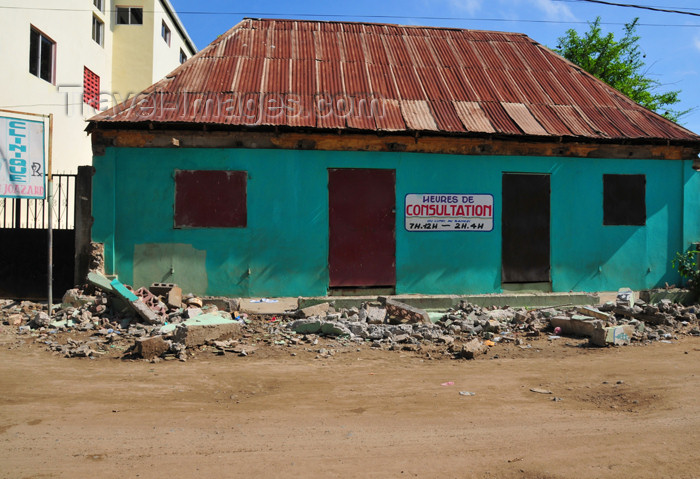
pixel 620 64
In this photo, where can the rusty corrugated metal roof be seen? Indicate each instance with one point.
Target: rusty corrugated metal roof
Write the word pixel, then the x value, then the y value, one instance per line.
pixel 378 77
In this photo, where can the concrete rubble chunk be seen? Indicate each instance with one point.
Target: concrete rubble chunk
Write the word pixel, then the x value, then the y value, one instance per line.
pixel 174 297
pixel 315 310
pixel 332 328
pixel 593 313
pixel 576 325
pixel 151 347
pixel 612 335
pixel 471 349
pixel 206 327
pixel 374 315
pixel 306 326
pixel 144 312
pixel 399 312
pixel 40 320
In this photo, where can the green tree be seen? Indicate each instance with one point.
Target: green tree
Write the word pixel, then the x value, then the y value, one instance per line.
pixel 620 64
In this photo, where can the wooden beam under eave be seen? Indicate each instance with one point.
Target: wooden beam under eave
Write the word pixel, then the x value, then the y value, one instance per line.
pixel 103 138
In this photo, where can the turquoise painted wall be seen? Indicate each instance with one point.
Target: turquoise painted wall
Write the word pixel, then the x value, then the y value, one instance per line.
pixel 284 249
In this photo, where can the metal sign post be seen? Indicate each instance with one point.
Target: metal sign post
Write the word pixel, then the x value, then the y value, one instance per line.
pixel 21 168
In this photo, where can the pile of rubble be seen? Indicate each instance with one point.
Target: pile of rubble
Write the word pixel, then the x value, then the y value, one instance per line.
pixel 161 322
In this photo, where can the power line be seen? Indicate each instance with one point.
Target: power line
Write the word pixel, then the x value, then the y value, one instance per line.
pixel 397 17
pixel 642 7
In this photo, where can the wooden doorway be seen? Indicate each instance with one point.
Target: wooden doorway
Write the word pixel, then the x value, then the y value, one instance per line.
pixel 526 228
pixel 362 228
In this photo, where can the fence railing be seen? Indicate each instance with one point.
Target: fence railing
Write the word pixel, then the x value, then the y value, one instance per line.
pixel 34 213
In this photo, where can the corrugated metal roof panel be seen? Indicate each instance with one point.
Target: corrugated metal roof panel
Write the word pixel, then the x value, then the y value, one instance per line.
pixel 524 119
pixel 446 117
pixel 382 80
pixel 549 119
pixel 427 79
pixel 500 119
pixel 390 118
pixel 573 121
pixel 417 116
pixel 433 84
pixel 408 83
pixel 473 117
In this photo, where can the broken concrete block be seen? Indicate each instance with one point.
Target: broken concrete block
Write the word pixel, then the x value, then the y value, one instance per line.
pixel 192 312
pixel 174 298
pixel 399 313
pixel 153 347
pixel 122 291
pixel 144 312
pixel 40 320
pixel 73 298
pixel 223 304
pixel 15 319
pixel 471 349
pixel 334 329
pixel 375 315
pixel 100 281
pixel 315 310
pixel 593 313
pixel 576 325
pixel 615 335
pixel 306 326
pixel 206 327
pixel 161 289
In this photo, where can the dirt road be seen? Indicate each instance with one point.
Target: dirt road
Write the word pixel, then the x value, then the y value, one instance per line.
pixel 630 412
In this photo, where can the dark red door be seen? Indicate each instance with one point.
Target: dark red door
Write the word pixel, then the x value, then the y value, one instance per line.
pixel 362 247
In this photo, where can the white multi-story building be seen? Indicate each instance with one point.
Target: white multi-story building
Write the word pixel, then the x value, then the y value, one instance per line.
pixel 73 57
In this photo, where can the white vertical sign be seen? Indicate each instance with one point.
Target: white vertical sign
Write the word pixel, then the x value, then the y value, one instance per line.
pixel 22 158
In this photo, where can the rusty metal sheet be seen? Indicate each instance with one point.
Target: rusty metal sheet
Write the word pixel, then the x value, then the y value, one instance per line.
pixel 327 48
pixel 458 85
pixel 520 114
pixel 433 84
pixel 303 76
pixel 473 117
pixel 355 78
pixel 573 121
pixel 362 111
pixel 418 116
pixel 382 80
pixel 446 117
pixel 279 44
pixel 599 121
pixel 549 120
pixel 303 47
pixel 481 84
pixel 500 120
pixel 352 49
pixel 420 51
pixel 390 118
pixel 374 48
pixel 425 77
pixel 408 83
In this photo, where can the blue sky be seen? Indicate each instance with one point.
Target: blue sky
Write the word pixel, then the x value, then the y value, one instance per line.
pixel 670 41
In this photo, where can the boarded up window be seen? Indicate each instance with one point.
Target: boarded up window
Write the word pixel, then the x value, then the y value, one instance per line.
pixel 624 200
pixel 210 199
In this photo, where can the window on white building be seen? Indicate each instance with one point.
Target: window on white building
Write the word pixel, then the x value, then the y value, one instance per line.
pixel 99 4
pixel 98 30
pixel 42 55
pixel 129 16
pixel 165 32
pixel 183 56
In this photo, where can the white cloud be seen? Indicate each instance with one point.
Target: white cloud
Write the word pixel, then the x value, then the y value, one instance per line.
pixel 469 6
pixel 554 11
pixel 696 42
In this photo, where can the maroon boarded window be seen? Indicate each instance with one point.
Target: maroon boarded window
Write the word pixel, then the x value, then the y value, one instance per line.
pixel 210 199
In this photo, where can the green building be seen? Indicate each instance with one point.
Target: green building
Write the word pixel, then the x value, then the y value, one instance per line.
pixel 305 158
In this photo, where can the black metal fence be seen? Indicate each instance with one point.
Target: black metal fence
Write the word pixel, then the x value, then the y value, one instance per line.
pixel 23 213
